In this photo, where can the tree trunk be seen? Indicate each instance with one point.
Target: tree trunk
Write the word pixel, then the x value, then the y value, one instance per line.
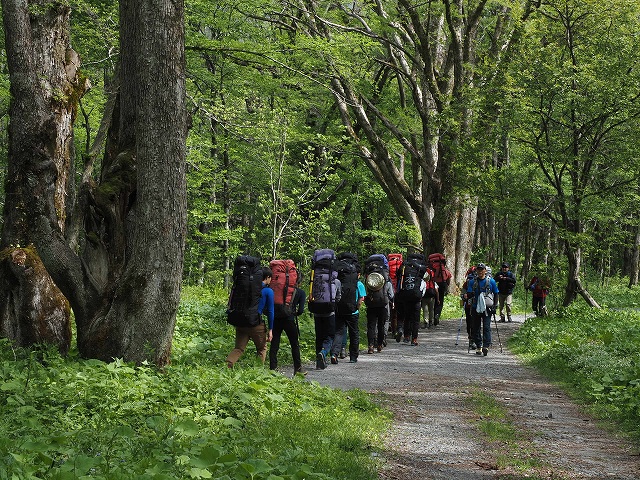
pixel 574 285
pixel 635 256
pixel 45 89
pixel 140 321
pixel 124 286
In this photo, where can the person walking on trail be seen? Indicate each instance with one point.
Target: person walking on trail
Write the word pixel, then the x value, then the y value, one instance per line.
pixel 482 291
pixel 539 289
pixel 379 295
pixel 256 333
pixel 506 281
pixel 351 329
pixel 442 276
pixel 467 304
pixel 430 299
pixel 289 325
pixel 411 290
pixel 325 291
pixel 348 308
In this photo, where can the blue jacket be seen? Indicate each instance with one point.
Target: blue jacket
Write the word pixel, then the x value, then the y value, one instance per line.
pixel 266 304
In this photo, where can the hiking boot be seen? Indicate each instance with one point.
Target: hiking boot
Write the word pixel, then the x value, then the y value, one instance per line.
pixel 300 371
pixel 509 318
pixel 353 360
pixel 485 350
pixel 423 325
pixel 502 319
pixel 405 340
pixel 472 345
pixel 379 348
pixel 430 324
pixel 334 359
pixel 384 342
pixel 414 342
pixel 478 351
pixel 321 361
pixel 370 351
pixel 398 336
pixel 343 353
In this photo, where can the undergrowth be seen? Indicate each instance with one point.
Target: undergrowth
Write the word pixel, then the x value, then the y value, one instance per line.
pixel 68 418
pixel 592 352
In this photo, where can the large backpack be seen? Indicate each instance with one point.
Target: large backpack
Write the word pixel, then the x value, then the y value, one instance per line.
pixel 322 289
pixel 410 280
pixel 488 295
pixel 376 271
pixel 283 283
pixel 347 267
pixel 395 261
pixel 439 266
pixel 242 310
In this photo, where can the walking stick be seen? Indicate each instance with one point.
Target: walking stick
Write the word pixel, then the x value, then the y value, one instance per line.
pixel 459 327
pixel 497 331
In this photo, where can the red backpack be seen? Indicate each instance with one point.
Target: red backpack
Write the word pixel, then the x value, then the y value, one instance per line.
pixel 439 266
pixel 283 283
pixel 395 260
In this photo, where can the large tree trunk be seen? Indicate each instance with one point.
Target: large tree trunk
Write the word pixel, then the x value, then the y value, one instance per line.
pixel 140 321
pixel 124 286
pixel 45 89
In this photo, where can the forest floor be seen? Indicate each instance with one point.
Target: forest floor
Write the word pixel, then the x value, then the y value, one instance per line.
pixel 431 389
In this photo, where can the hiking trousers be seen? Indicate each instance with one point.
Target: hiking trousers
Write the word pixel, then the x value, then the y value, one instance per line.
pixel 288 326
pixel 325 327
pixel 257 334
pixel 377 318
pixel 347 324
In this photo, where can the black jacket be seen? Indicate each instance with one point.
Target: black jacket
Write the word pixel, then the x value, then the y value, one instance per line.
pixel 506 282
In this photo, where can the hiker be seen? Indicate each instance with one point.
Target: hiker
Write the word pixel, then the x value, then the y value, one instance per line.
pixel 324 292
pixel 379 294
pixel 506 281
pixel 395 262
pixel 411 289
pixel 286 319
pixel 467 303
pixel 539 289
pixel 430 299
pixel 482 290
pixel 255 332
pixel 348 308
pixel 442 276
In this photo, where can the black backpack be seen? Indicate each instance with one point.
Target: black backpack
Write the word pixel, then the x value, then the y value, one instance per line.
pixel 410 280
pixel 348 268
pixel 242 310
pixel 376 274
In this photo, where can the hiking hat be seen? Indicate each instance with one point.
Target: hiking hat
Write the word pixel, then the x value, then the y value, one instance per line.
pixel 481 266
pixel 374 281
pixel 505 265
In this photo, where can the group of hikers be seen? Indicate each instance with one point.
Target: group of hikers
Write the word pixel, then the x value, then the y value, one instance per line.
pixel 394 289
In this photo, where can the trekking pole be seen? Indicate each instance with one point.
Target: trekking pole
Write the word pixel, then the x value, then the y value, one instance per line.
pixel 497 331
pixel 459 327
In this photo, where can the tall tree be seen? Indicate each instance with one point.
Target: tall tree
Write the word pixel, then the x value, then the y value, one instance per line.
pixel 406 93
pixel 123 279
pixel 579 118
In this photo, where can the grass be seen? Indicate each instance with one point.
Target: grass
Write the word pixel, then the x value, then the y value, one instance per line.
pixel 517 454
pixel 592 353
pixel 71 418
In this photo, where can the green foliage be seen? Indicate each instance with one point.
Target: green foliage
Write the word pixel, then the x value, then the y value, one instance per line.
pixel 593 352
pixel 72 418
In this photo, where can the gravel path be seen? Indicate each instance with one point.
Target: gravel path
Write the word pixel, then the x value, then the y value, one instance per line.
pixel 435 429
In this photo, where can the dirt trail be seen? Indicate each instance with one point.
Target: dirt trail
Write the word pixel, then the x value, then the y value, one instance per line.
pixel 435 430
